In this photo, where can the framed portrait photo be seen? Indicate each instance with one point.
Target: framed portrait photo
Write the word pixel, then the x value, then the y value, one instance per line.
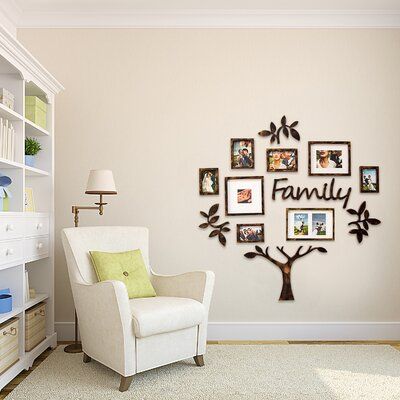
pixel 310 224
pixel 242 153
pixel 208 181
pixel 369 179
pixel 282 160
pixel 329 158
pixel 250 233
pixel 244 195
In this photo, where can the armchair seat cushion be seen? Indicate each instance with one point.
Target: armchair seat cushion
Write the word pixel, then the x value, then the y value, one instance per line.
pixel 155 315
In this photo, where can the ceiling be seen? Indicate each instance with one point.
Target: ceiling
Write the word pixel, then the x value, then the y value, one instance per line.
pixel 202 13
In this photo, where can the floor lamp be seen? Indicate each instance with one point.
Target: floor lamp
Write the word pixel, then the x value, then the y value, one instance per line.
pixel 100 182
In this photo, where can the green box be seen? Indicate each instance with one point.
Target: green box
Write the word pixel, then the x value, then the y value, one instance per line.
pixel 36 110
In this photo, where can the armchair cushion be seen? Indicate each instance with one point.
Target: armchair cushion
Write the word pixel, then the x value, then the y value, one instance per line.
pixel 155 315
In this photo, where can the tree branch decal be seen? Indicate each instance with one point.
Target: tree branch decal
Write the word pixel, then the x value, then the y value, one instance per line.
pixel 285 267
pixel 363 221
pixel 286 128
pixel 211 220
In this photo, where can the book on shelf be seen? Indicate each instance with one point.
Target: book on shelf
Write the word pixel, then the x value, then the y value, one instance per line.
pixel 7 139
pixel 27 294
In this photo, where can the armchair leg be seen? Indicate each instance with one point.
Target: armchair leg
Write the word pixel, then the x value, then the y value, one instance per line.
pixel 86 358
pixel 199 360
pixel 125 383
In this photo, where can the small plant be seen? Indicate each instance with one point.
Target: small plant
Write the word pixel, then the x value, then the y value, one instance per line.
pixel 211 220
pixel 363 221
pixel 32 146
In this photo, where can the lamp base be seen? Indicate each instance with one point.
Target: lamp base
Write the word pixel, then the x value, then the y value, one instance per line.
pixel 73 348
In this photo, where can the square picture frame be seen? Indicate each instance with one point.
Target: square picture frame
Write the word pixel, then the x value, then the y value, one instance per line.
pixel 331 158
pixel 244 195
pixel 242 153
pixel 208 181
pixel 369 179
pixel 282 160
pixel 310 224
pixel 250 233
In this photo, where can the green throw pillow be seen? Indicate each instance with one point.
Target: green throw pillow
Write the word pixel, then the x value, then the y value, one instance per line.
pixel 127 267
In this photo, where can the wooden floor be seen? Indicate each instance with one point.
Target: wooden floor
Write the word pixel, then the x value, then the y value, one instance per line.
pixel 17 380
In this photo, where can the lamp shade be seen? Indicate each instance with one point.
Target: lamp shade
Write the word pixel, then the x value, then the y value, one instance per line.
pixel 101 181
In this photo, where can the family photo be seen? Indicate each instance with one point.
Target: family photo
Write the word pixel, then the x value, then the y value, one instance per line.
pixel 250 233
pixel 369 179
pixel 281 160
pixel 329 158
pixel 208 181
pixel 300 227
pixel 318 224
pixel 242 153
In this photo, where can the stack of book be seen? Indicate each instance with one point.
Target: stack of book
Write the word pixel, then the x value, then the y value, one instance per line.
pixel 7 139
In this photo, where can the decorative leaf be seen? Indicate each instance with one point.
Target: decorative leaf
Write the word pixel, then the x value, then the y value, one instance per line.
pixel 362 208
pixel 374 221
pixel 222 239
pixel 273 137
pixel 224 224
pixel 205 215
pixel 225 230
pixel 213 233
pixel 295 134
pixel 366 214
pixel 364 232
pixel 283 120
pixel 213 209
pixel 351 211
pixel 285 131
pixel 293 124
pixel 213 219
pixel 259 249
pixel 250 255
pixel 322 249
pixel 359 237
pixel 264 133
pixel 203 226
pixel 273 127
pixel 353 231
pixel 365 225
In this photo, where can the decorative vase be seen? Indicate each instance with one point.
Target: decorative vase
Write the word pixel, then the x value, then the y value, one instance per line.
pixel 30 161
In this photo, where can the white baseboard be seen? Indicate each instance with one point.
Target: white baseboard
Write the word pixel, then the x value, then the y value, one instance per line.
pixel 283 330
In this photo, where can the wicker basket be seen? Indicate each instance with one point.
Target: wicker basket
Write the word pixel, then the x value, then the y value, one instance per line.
pixel 35 326
pixel 8 344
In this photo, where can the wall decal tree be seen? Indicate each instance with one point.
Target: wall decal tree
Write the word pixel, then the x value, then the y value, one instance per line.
pixel 286 128
pixel 363 221
pixel 285 267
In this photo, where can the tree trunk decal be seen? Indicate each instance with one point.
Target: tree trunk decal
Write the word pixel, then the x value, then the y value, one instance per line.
pixel 285 267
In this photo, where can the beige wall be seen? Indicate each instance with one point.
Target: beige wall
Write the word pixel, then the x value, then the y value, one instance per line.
pixel 155 105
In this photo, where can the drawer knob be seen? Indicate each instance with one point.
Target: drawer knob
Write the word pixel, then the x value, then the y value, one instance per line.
pixel 9 252
pixel 39 245
pixel 39 226
pixel 12 332
pixel 9 227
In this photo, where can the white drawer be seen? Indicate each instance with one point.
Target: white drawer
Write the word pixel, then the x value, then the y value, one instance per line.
pixel 10 251
pixel 11 227
pixel 36 226
pixel 35 248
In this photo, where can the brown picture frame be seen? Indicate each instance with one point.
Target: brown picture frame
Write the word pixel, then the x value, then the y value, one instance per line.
pixel 215 172
pixel 229 178
pixel 240 226
pixel 376 168
pixel 311 209
pixel 296 157
pixel 233 150
pixel 313 143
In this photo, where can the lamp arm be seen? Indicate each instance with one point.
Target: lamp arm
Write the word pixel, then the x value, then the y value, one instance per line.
pixel 99 206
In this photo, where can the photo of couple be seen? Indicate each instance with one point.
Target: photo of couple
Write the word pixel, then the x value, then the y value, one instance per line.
pixel 208 181
pixel 242 153
pixel 281 160
pixel 369 179
pixel 252 233
pixel 318 221
pixel 244 196
pixel 329 159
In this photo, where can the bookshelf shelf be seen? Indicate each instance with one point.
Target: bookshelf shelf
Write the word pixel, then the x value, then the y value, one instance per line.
pixel 5 317
pixel 32 302
pixel 31 129
pixel 31 171
pixel 4 163
pixel 11 115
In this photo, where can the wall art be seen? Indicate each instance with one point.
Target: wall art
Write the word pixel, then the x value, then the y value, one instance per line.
pixel 242 153
pixel 285 267
pixel 310 224
pixel 328 192
pixel 250 233
pixel 288 129
pixel 363 221
pixel 369 179
pixel 282 160
pixel 208 181
pixel 329 158
pixel 244 195
pixel 212 219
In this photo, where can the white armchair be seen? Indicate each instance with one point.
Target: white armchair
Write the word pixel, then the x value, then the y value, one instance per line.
pixel 132 336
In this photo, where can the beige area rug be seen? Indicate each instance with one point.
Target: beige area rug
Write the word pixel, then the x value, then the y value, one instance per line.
pixel 279 372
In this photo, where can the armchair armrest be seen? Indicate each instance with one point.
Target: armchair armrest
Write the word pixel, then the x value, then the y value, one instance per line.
pixel 196 285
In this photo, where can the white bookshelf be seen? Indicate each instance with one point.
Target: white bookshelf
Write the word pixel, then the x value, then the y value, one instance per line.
pixel 27 238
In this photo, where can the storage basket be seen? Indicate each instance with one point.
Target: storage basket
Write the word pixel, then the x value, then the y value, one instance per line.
pixel 35 326
pixel 9 351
